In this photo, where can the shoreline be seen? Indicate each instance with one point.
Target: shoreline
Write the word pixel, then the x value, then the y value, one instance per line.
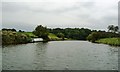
pixel 109 41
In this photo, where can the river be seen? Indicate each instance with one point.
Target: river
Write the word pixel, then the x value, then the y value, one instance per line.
pixel 60 55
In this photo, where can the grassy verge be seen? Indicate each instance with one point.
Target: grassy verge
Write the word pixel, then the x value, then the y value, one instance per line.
pixel 53 37
pixel 30 34
pixel 110 41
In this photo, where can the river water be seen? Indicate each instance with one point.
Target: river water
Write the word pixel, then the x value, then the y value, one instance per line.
pixel 60 55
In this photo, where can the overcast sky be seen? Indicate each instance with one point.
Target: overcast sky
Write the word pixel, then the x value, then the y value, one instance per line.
pixel 27 14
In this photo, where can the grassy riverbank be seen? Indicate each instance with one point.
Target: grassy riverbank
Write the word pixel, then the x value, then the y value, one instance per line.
pixel 12 37
pixel 30 34
pixel 110 41
pixel 51 36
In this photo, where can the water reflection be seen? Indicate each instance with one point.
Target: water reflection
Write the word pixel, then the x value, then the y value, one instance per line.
pixel 40 56
pixel 60 55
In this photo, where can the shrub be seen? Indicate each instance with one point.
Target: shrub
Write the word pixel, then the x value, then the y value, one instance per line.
pixel 98 35
pixel 9 37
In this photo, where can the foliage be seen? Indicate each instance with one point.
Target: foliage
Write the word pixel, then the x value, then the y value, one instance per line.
pixel 93 36
pixel 98 35
pixel 110 41
pixel 21 31
pixel 112 28
pixel 30 34
pixel 41 32
pixel 72 33
pixel 60 35
pixel 5 29
pixel 53 37
pixel 10 37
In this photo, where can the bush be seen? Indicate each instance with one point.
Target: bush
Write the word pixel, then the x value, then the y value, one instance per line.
pixel 98 35
pixel 10 37
pixel 41 32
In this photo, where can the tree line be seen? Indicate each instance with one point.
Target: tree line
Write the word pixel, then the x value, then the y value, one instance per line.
pixel 12 36
pixel 112 28
pixel 76 33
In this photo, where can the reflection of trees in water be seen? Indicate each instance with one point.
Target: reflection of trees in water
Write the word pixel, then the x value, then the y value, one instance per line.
pixel 40 58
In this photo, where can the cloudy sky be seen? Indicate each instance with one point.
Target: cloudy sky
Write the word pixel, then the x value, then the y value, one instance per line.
pixel 27 14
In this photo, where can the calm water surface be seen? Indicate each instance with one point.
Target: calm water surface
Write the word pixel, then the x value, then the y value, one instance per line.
pixel 60 55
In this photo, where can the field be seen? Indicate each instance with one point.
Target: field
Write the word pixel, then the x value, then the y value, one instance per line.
pixel 110 41
pixel 51 36
pixel 30 34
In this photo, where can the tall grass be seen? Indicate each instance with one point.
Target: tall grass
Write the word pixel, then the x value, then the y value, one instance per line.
pixel 110 41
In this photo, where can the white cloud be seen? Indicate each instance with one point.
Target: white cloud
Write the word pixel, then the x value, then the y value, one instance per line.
pixel 93 14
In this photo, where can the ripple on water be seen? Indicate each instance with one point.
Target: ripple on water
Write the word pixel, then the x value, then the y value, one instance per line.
pixel 58 55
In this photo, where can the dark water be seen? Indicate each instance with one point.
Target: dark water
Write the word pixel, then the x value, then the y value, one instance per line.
pixel 60 55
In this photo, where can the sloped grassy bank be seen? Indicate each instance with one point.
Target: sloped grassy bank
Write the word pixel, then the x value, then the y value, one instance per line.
pixel 11 37
pixel 105 38
pixel 109 41
pixel 51 36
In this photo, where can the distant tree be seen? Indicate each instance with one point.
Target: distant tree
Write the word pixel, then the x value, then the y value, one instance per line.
pixel 93 36
pixel 20 31
pixel 13 30
pixel 111 28
pixel 94 30
pixel 61 35
pixel 99 35
pixel 116 28
pixel 72 33
pixel 100 31
pixel 5 29
pixel 41 32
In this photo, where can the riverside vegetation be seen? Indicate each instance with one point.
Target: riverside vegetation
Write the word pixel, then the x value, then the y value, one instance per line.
pixel 112 37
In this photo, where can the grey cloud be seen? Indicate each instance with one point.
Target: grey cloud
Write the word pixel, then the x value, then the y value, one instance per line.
pixel 12 7
pixel 76 6
pixel 80 14
pixel 18 26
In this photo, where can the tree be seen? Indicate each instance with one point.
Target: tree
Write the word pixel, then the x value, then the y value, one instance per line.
pixel 13 30
pixel 41 32
pixel 110 28
pixel 72 33
pixel 61 35
pixel 5 29
pixel 113 28
pixel 116 28
pixel 93 36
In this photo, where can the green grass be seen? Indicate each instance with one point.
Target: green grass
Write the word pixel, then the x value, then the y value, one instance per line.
pixel 30 34
pixel 53 37
pixel 110 41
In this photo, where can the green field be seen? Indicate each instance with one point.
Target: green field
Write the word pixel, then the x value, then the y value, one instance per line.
pixel 110 41
pixel 51 36
pixel 30 34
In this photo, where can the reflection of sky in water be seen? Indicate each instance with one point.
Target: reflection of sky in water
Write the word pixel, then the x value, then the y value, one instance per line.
pixel 60 55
